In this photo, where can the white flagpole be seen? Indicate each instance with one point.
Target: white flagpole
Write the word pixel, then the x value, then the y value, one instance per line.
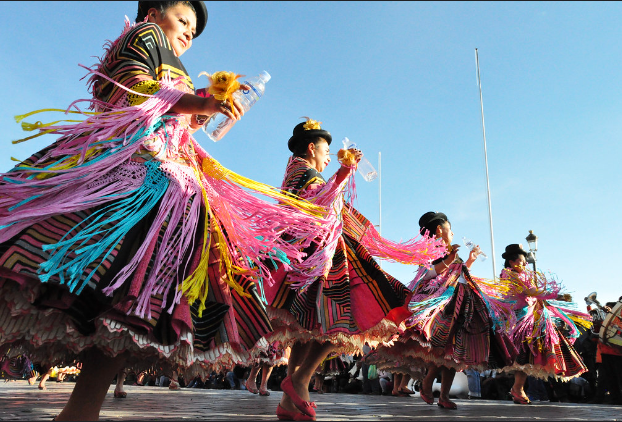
pixel 481 101
pixel 379 199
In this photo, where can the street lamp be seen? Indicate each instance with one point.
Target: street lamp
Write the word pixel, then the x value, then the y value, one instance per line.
pixel 532 241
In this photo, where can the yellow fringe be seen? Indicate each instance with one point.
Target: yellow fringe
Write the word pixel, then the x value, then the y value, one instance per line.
pixel 21 117
pixel 215 170
pixel 29 127
pixel 196 286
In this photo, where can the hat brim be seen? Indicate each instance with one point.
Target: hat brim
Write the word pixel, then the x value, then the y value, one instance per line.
pixel 201 12
pixel 313 133
pixel 505 254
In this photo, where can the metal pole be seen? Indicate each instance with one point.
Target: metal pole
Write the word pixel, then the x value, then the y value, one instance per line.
pixel 534 261
pixel 481 101
pixel 379 194
pixel 379 200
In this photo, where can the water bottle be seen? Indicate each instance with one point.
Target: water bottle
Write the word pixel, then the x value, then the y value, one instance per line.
pixel 218 124
pixel 364 167
pixel 469 244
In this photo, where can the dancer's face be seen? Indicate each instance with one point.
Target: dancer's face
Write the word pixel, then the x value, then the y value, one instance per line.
pixel 519 264
pixel 179 24
pixel 444 232
pixel 318 155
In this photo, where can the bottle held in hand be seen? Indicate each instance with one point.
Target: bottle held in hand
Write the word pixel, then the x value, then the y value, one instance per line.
pixel 364 167
pixel 218 124
pixel 469 244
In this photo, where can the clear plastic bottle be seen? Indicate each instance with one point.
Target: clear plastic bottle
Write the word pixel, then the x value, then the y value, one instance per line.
pixel 364 167
pixel 469 244
pixel 218 125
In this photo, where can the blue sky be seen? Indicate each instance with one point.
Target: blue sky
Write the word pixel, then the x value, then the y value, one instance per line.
pixel 397 78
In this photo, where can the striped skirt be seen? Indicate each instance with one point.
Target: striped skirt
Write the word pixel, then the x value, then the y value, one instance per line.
pixel 459 334
pixel 355 303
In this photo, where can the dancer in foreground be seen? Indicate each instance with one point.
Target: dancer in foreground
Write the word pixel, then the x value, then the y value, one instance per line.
pixel 124 243
pixel 346 299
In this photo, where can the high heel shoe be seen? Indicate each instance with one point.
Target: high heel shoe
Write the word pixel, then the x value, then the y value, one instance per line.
pixel 120 394
pixel 304 406
pixel 447 404
pixel 264 392
pixel 286 415
pixel 518 399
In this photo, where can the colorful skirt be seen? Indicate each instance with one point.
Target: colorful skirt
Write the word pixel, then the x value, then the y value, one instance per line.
pixel 107 265
pixel 332 365
pixel 356 302
pixel 456 331
pixel 550 353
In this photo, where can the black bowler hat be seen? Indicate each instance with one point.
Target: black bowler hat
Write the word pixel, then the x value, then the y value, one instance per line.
pixel 431 216
pixel 307 130
pixel 513 249
pixel 199 8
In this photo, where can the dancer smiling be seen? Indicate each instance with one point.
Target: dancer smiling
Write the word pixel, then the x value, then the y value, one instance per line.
pixel 124 242
pixel 346 299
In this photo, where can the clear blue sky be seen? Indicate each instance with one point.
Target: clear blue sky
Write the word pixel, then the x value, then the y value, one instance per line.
pixel 397 78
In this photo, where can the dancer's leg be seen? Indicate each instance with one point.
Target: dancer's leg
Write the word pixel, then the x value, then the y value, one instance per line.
pixel 314 353
pixel 428 381
pixel 251 383
pixel 397 380
pixel 44 378
pixel 404 385
pixel 447 379
pixel 265 375
pixel 297 355
pixel 519 383
pixel 118 389
pixel 88 395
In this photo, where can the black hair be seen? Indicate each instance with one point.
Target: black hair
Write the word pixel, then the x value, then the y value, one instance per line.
pixel 511 257
pixel 430 221
pixel 300 150
pixel 160 6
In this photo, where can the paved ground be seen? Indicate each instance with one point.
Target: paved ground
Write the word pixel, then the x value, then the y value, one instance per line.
pixel 20 401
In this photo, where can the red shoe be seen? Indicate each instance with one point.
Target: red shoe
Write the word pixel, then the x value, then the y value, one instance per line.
pixel 264 392
pixel 286 415
pixel 447 404
pixel 518 399
pixel 252 390
pixel 304 406
pixel 426 398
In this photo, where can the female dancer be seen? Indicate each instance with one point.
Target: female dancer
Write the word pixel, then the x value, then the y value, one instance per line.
pixel 347 298
pixel 273 355
pixel 455 324
pixel 124 242
pixel 544 351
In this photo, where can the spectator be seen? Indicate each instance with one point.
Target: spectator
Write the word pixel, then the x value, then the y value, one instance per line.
pixel 475 388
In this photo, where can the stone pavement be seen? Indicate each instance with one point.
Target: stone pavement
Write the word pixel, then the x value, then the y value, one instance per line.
pixel 20 401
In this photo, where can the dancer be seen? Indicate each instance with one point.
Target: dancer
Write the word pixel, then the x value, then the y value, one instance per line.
pixel 544 351
pixel 455 324
pixel 124 242
pixel 346 298
pixel 274 355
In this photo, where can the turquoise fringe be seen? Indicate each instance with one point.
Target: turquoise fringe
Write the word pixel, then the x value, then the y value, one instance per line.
pixel 125 214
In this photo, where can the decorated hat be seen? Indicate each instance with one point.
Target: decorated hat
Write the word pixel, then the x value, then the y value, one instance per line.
pixel 306 130
pixel 513 249
pixel 199 8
